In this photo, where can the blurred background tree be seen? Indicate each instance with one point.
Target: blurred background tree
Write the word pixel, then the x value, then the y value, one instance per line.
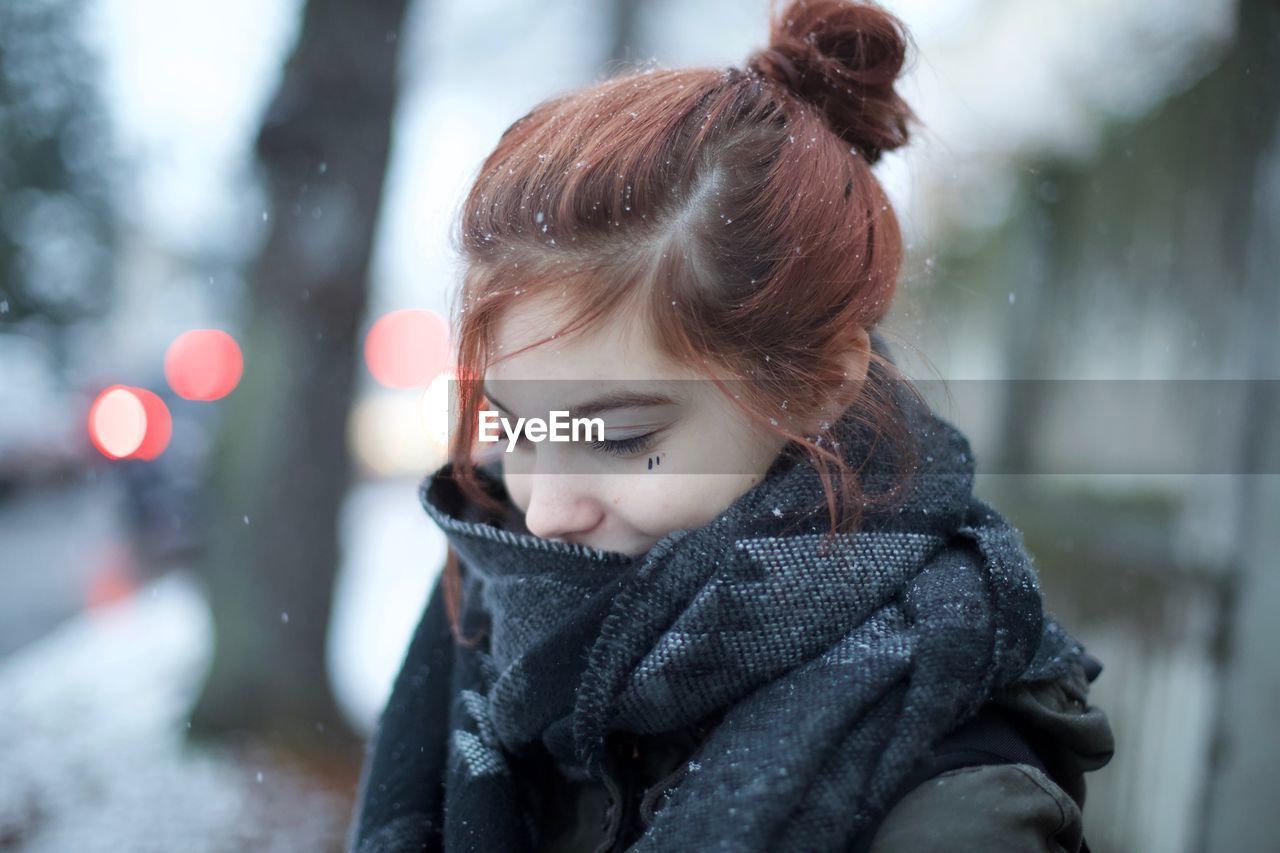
pixel 1155 257
pixel 56 207
pixel 280 466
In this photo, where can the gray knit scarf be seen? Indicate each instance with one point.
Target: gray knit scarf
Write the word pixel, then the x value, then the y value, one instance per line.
pixel 834 672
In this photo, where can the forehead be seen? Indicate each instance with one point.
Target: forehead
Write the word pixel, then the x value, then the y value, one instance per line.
pixel 613 347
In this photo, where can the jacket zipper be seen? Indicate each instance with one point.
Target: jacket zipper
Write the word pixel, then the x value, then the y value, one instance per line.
pixel 625 763
pixel 620 787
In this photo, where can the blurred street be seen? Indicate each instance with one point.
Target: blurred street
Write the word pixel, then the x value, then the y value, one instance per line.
pixel 60 542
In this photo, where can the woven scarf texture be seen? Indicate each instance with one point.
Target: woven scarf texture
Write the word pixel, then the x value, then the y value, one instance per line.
pixel 835 670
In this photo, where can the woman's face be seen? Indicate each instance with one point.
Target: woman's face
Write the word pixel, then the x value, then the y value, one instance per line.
pixel 680 464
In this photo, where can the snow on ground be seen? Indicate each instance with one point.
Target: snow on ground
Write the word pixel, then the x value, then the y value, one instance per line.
pixel 92 754
pixel 93 714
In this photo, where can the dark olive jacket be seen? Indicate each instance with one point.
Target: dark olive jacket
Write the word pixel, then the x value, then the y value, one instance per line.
pixel 1007 806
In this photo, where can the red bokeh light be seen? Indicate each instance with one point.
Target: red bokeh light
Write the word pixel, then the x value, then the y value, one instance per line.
pixel 407 348
pixel 117 422
pixel 159 425
pixel 129 423
pixel 203 364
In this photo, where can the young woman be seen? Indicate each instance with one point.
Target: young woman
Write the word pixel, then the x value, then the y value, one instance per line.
pixel 763 610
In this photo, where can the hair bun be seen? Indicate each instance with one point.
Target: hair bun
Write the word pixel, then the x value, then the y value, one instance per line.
pixel 843 57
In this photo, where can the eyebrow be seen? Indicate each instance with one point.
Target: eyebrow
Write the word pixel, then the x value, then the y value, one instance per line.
pixel 607 402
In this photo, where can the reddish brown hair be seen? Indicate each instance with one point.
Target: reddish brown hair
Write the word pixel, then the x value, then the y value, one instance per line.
pixel 732 210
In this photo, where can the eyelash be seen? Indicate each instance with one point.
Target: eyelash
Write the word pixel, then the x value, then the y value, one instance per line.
pixel 625 446
pixel 619 447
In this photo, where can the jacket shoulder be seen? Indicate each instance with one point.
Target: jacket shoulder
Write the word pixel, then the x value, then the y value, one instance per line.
pixel 1007 807
pixel 1011 778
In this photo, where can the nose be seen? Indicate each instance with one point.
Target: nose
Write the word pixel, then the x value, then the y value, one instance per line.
pixel 562 506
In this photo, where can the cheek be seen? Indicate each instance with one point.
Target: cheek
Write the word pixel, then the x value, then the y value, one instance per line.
pixel 645 504
pixel 662 503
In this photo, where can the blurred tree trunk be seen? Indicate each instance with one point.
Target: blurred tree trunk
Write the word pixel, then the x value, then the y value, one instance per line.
pixel 280 465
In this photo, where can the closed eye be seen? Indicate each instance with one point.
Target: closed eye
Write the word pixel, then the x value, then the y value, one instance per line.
pixel 614 447
pixel 625 446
